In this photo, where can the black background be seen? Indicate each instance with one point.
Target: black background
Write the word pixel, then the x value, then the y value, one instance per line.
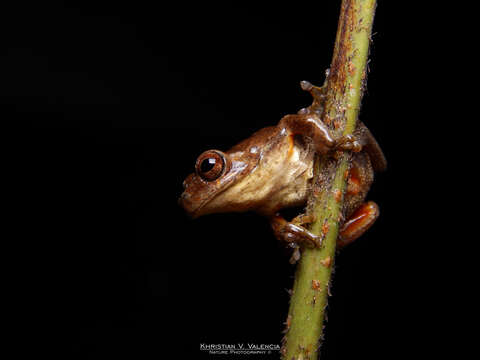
pixel 115 102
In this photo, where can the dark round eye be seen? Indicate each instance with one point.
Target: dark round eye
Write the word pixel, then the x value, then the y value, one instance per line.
pixel 207 164
pixel 211 165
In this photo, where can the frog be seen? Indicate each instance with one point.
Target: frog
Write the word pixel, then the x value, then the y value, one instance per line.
pixel 273 170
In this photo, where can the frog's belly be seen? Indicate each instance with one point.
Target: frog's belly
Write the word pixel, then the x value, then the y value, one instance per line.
pixel 295 194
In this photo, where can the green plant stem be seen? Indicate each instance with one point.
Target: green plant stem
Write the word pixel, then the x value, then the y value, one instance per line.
pixel 343 88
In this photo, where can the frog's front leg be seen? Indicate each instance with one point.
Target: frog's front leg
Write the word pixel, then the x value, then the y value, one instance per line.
pixel 310 125
pixel 294 234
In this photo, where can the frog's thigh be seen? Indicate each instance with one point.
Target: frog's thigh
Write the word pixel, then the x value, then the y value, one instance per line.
pixel 291 233
pixel 359 222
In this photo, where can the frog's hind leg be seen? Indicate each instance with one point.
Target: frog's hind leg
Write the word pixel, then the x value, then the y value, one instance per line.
pixel 371 147
pixel 359 222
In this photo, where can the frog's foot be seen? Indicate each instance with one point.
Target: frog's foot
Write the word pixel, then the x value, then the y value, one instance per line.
pixel 318 94
pixel 294 235
pixel 359 222
pixel 348 142
pixel 295 254
pixel 303 219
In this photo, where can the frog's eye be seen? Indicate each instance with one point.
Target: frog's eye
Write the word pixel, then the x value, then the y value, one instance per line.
pixel 211 165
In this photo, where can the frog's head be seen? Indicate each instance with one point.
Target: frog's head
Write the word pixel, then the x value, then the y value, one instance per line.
pixel 215 172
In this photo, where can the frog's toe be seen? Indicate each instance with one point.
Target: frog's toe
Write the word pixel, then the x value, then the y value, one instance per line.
pixel 348 142
pixel 295 255
pixel 306 85
pixel 303 219
pixel 292 233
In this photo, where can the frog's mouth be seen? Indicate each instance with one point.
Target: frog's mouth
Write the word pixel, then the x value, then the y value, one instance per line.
pixel 195 203
pixel 189 205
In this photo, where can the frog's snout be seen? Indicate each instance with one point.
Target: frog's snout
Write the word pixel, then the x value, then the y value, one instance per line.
pixel 183 199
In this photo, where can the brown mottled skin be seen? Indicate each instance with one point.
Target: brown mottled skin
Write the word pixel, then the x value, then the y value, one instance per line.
pixel 273 170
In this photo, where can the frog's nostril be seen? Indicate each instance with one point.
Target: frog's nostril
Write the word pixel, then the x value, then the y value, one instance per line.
pixel 182 198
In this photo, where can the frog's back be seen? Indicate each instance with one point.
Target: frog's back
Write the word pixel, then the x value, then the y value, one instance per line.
pixel 256 141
